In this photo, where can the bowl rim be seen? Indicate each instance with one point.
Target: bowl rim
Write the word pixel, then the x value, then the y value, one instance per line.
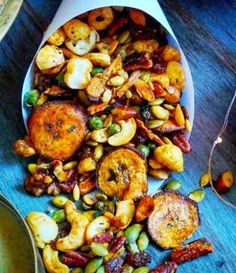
pixel 9 14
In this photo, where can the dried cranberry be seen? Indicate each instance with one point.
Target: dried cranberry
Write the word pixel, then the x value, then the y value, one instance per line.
pixel 138 61
pixel 103 238
pixel 116 244
pixel 159 65
pixel 75 259
pixel 180 140
pixel 166 267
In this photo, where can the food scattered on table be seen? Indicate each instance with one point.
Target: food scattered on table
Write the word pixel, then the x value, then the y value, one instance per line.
pixel 191 251
pixel 97 233
pixel 105 107
pixel 224 182
pixel 173 220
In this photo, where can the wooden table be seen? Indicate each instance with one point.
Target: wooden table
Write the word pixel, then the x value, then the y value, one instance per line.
pixel 206 31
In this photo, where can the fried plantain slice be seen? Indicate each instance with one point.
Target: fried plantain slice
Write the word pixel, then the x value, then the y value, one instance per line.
pixel 173 220
pixel 123 173
pixel 57 129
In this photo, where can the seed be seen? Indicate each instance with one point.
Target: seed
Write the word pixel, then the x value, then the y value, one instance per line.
pixel 32 168
pixel 133 248
pixel 116 81
pixel 101 196
pixel 145 75
pixel 169 106
pixel 187 125
pixel 99 249
pixel 197 195
pixel 88 200
pixel 123 36
pixel 87 137
pixel 59 216
pixel 157 101
pixel 100 136
pixel 108 121
pixel 70 165
pixel 154 123
pixel 86 165
pixel 179 116
pixel 59 201
pixel 77 270
pixel 82 96
pixel 128 94
pixel 162 79
pixel 142 269
pixel 106 96
pixel 85 248
pixel 59 173
pixel 84 206
pixel 123 53
pixel 167 140
pixel 98 152
pixel 205 179
pixel 159 174
pixel 92 143
pixel 99 205
pixel 173 185
pixel 90 215
pixel 93 265
pixel 143 241
pixel 150 84
pixel 185 111
pixel 101 270
pixel 159 112
pixel 76 193
pixel 103 117
pixel 132 233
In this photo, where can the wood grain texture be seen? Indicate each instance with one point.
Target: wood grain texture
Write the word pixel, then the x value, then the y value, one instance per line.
pixel 206 31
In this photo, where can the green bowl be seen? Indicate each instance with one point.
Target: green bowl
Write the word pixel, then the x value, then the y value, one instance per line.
pixel 8 13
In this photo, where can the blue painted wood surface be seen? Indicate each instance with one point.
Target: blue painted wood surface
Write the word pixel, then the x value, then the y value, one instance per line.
pixel 206 31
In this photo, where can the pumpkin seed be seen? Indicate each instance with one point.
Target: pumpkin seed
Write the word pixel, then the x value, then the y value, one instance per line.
pixel 59 201
pixel 123 53
pixel 157 101
pixel 123 36
pixel 92 143
pixel 98 152
pixel 205 179
pixel 197 195
pixel 86 165
pixel 179 116
pixel 99 249
pixel 167 140
pixel 131 233
pixel 88 200
pixel 99 205
pixel 85 248
pixel 32 168
pixel 101 270
pixel 185 112
pixel 70 165
pixel 77 270
pixel 159 112
pixel 154 123
pixel 126 268
pixel 187 125
pixel 76 193
pixel 116 81
pixel 106 96
pixel 84 206
pixel 142 269
pixel 101 196
pixel 145 75
pixel 169 106
pixel 173 185
pixel 128 94
pixel 59 216
pixel 143 241
pixel 133 248
pixel 93 265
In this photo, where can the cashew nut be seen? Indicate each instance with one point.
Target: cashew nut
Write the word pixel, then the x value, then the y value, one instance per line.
pixel 128 130
pixel 57 38
pixel 101 59
pixel 76 237
pixel 96 227
pixel 52 262
pixel 78 71
pixel 43 227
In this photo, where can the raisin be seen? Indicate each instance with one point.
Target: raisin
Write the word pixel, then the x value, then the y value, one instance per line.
pixel 159 65
pixel 114 265
pixel 103 238
pixel 138 259
pixel 138 61
pixel 166 267
pixel 116 244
